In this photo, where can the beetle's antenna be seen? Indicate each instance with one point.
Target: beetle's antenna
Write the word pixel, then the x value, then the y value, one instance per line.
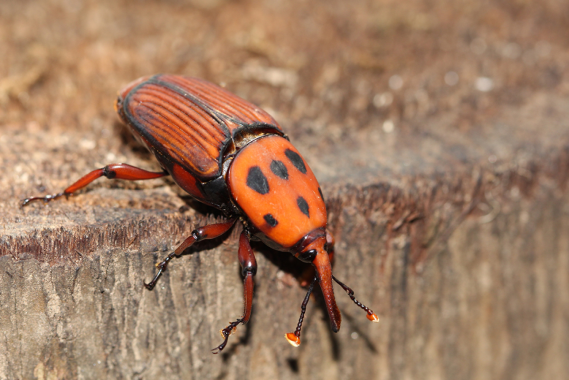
pixel 294 338
pixel 370 314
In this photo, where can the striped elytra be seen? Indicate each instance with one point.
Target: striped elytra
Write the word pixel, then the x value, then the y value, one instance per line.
pixel 188 120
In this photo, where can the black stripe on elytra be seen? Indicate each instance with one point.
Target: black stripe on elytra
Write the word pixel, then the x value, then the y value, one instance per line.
pixel 279 169
pixel 303 206
pixel 141 128
pixel 320 191
pixel 257 181
pixel 271 221
pixel 296 160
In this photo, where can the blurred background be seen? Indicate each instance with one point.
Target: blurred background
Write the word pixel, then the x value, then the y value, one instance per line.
pixel 324 68
pixel 338 75
pixel 369 91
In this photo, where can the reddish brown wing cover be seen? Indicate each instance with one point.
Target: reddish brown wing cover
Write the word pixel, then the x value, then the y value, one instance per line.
pixel 187 121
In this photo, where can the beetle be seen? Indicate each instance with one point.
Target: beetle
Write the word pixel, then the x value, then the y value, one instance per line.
pixel 229 154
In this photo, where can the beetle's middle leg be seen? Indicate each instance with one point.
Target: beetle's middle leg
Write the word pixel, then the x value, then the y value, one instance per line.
pixel 118 171
pixel 203 233
pixel 248 271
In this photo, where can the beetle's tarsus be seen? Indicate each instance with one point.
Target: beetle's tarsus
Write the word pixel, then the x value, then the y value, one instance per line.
pixel 225 333
pixel 161 268
pixel 46 199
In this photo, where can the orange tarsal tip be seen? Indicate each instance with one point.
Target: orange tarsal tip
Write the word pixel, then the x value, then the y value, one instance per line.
pixel 373 317
pixel 293 339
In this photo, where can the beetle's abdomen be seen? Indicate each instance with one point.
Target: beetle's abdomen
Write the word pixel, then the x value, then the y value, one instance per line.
pixel 278 192
pixel 187 121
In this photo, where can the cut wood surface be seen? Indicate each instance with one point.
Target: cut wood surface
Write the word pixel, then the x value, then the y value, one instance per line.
pixel 439 133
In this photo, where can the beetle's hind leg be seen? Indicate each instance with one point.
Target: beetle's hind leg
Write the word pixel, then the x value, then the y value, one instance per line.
pixel 118 171
pixel 248 271
pixel 203 233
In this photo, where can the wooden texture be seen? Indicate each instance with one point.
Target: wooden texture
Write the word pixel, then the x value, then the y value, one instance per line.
pixel 438 131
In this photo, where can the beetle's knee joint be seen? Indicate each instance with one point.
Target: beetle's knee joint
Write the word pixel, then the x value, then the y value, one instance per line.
pixel 109 173
pixel 249 269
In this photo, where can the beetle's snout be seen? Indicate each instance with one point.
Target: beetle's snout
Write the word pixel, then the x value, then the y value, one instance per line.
pixel 317 254
pixel 323 268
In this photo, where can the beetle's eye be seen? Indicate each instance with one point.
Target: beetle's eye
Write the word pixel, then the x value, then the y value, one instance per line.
pixel 307 256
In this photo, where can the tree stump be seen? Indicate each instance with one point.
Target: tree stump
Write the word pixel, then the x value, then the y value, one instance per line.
pixel 443 153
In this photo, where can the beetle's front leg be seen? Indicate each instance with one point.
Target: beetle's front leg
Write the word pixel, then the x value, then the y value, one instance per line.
pixel 206 232
pixel 248 271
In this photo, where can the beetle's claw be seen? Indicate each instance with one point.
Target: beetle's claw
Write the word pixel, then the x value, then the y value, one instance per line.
pixel 225 335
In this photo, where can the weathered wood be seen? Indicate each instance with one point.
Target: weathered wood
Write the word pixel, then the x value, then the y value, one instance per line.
pixel 449 204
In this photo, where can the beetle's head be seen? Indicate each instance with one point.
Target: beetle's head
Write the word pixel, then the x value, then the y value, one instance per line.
pixel 317 248
pixel 315 251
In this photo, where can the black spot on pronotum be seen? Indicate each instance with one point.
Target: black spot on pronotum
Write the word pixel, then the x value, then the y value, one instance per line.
pixel 271 221
pixel 257 181
pixel 296 160
pixel 303 206
pixel 320 191
pixel 279 169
